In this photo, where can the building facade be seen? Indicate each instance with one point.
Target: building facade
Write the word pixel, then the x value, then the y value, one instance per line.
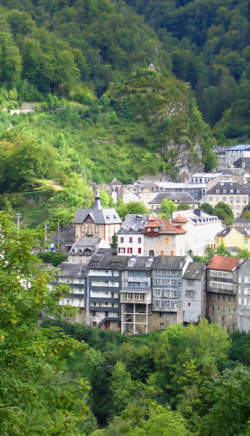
pixel 234 194
pixel 96 222
pixel 222 286
pixel 243 309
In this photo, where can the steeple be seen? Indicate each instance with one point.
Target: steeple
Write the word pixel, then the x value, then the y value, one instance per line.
pixel 97 204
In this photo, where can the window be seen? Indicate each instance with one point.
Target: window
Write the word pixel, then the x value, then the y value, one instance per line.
pixel 162 252
pixel 139 250
pixel 189 293
pixel 129 250
pixel 151 253
pixel 171 253
pixel 130 240
pixel 121 239
pixel 106 314
pixel 166 240
pixel 93 313
pixel 139 240
pixel 94 323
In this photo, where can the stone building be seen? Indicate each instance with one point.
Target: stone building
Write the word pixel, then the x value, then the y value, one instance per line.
pixel 222 286
pixel 96 222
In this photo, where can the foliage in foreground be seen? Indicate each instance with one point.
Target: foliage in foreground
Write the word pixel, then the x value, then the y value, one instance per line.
pixel 37 393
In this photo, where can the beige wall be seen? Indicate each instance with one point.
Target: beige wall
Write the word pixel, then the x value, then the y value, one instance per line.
pixel 162 245
pixel 104 231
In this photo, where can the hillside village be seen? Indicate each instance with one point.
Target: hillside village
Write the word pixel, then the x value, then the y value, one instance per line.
pixel 151 278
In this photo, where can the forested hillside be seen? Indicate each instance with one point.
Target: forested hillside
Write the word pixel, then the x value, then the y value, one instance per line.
pixel 208 42
pixel 100 112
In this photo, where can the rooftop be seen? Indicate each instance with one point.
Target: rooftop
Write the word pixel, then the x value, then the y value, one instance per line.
pixel 223 263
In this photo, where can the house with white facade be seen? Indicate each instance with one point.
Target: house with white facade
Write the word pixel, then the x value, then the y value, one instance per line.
pixel 194 292
pixel 201 230
pixel 243 303
pixel 130 238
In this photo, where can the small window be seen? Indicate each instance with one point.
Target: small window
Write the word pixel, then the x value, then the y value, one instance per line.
pixel 139 240
pixel 139 250
pixel 130 240
pixel 93 313
pixel 166 240
pixel 106 314
pixel 94 323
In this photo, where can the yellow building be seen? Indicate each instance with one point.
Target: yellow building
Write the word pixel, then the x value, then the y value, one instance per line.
pixel 235 236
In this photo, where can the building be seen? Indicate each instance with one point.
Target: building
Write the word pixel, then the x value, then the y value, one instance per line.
pixel 85 247
pixel 130 238
pixel 177 197
pixel 222 286
pixel 167 290
pixel 236 152
pixel 203 177
pixel 235 237
pixel 243 310
pixel 220 152
pixel 104 282
pixel 201 230
pixel 74 276
pixel 136 296
pixel 161 237
pixel 96 222
pixel 234 194
pixel 194 293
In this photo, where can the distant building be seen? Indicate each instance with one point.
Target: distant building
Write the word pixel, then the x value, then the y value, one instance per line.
pixel 222 286
pixel 236 236
pixel 236 152
pixel 234 194
pixel 96 222
pixel 243 312
pixel 220 152
pixel 177 197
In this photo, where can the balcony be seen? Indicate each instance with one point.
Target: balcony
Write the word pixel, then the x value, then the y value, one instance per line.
pixel 138 296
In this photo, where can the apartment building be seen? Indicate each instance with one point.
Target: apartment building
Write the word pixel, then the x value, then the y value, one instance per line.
pixel 130 237
pixel 234 194
pixel 243 309
pixel 194 292
pixel 222 288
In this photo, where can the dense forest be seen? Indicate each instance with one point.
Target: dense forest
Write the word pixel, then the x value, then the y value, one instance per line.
pixel 59 378
pixel 100 111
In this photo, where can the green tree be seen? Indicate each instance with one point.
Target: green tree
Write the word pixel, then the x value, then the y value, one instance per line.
pixel 227 401
pixel 224 212
pixel 207 208
pixel 167 208
pixel 134 207
pixel 106 199
pixel 37 394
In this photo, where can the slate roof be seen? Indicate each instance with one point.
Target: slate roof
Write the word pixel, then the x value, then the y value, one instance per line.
pixel 223 263
pixel 107 262
pixel 228 186
pixel 194 271
pixel 134 223
pixel 178 197
pixel 241 225
pixel 68 269
pixel 168 262
pixel 98 214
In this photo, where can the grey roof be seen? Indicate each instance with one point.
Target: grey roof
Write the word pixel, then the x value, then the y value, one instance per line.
pixel 179 197
pixel 85 246
pixel 194 271
pixel 168 262
pixel 100 261
pixel 241 225
pixel 97 213
pixel 134 223
pixel 99 216
pixel 138 263
pixel 228 186
pixel 68 269
pixel 243 162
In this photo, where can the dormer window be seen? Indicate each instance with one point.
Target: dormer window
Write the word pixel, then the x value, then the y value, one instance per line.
pixel 157 229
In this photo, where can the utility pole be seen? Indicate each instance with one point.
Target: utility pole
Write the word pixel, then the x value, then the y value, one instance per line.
pixel 18 216
pixel 45 233
pixel 58 234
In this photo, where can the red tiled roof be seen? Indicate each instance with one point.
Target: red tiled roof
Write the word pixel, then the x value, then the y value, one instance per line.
pixel 179 219
pixel 164 226
pixel 223 263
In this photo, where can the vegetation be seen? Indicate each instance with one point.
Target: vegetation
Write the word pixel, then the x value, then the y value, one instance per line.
pixel 221 210
pixel 174 382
